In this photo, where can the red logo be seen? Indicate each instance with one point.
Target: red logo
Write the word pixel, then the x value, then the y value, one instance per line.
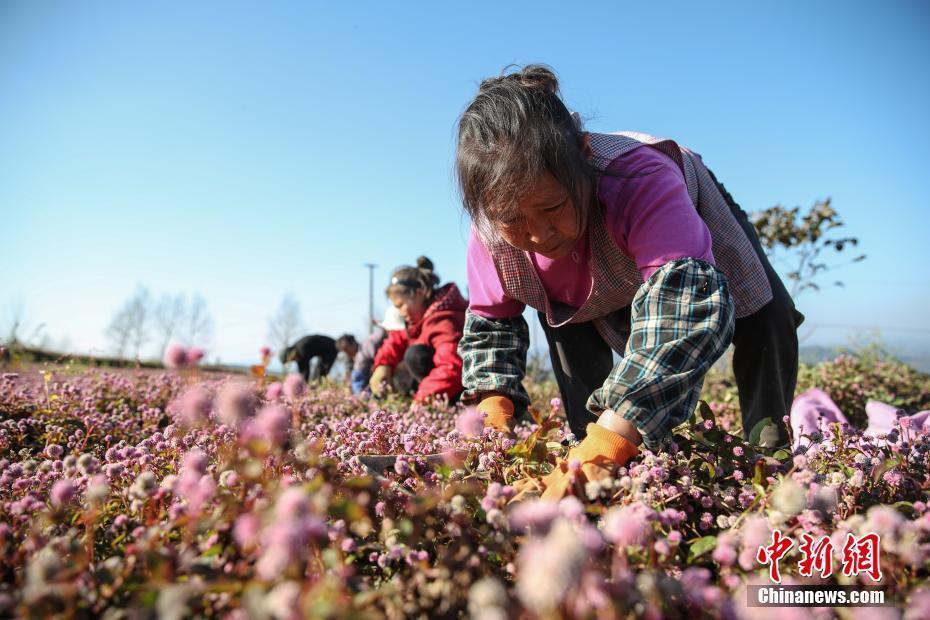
pixel 773 553
pixel 860 555
pixel 816 556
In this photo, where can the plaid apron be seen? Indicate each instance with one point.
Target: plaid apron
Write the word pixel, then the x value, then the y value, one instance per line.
pixel 615 275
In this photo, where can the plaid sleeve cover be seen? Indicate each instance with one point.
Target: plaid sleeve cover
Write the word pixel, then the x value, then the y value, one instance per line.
pixel 493 353
pixel 683 319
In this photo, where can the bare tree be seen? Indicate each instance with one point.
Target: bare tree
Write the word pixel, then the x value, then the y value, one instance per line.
pixel 129 328
pixel 19 331
pixel 199 322
pixel 169 317
pixel 286 324
pixel 141 318
pixel 119 331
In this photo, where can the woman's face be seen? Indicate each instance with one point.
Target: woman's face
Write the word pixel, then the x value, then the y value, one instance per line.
pixel 546 222
pixel 411 307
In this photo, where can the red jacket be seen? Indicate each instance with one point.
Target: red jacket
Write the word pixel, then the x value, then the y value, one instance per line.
pixel 440 328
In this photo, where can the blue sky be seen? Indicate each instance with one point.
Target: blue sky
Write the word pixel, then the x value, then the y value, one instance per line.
pixel 247 150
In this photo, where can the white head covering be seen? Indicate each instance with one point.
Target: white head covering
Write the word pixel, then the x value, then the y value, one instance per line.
pixel 392 319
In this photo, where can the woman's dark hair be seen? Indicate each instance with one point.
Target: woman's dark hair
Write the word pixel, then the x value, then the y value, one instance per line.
pixel 515 130
pixel 406 280
pixel 346 340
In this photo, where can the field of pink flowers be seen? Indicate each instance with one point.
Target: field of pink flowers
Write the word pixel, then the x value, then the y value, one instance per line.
pixel 175 494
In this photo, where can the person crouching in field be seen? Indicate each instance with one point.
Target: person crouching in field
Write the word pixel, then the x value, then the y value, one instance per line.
pixel 428 346
pixel 362 356
pixel 623 243
pixel 323 348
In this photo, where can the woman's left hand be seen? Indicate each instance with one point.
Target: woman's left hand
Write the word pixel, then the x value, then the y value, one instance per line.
pixel 380 380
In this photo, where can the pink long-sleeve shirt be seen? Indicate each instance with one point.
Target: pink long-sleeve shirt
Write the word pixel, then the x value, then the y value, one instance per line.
pixel 649 215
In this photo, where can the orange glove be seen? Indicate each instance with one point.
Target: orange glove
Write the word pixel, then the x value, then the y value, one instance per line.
pixel 599 453
pixel 499 413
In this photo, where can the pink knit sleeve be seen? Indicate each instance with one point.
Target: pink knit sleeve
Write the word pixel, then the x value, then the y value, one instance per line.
pixel 485 293
pixel 649 212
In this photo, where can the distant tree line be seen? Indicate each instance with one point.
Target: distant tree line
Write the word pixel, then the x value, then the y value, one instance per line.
pixel 143 319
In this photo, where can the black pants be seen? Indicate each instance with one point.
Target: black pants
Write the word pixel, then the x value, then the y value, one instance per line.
pixel 765 358
pixel 417 363
pixel 324 365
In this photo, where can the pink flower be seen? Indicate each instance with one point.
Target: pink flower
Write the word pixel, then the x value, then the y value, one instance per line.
pixel 275 558
pixel 62 493
pixel 195 461
pixel 281 601
pixel 724 553
pixel 628 525
pixel 194 407
pixel 292 503
pixel 194 355
pixel 294 386
pixel 246 530
pixel 893 477
pixel 234 404
pixel 550 568
pixel 755 532
pixel 883 520
pixel 535 515
pixel 194 485
pixel 572 509
pixel 918 604
pixel 470 423
pixel 273 393
pixel 273 425
pixel 198 493
pixel 287 538
pixel 175 356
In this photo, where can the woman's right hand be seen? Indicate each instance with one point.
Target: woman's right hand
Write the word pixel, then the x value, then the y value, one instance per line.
pixel 498 410
pixel 380 380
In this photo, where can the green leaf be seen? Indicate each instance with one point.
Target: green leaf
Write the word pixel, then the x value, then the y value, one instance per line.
pixel 705 411
pixel 710 469
pixel 764 434
pixel 782 455
pixel 880 470
pixel 212 551
pixel 701 546
pixel 759 473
